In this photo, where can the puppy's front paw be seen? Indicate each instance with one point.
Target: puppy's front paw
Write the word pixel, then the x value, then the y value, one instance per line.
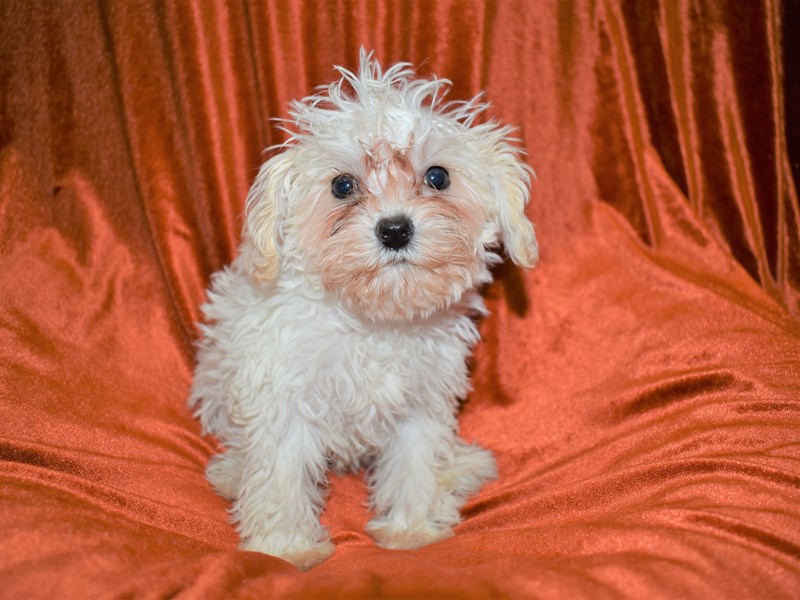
pixel 391 535
pixel 304 556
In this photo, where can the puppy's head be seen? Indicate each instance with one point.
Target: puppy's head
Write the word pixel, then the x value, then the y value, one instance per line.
pixel 391 197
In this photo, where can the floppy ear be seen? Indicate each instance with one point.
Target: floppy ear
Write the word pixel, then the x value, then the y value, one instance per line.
pixel 264 214
pixel 511 187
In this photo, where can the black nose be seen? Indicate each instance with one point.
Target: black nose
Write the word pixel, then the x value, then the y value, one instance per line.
pixel 394 232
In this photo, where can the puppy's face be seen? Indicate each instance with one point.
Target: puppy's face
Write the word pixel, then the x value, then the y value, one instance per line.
pixel 392 200
pixel 395 230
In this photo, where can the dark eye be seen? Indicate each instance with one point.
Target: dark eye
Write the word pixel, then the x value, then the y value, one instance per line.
pixel 438 178
pixel 344 185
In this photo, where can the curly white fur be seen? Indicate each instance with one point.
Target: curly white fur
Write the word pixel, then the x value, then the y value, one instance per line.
pixel 325 348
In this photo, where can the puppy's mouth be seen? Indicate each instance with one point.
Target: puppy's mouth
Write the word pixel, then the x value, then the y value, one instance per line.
pixel 395 258
pixel 402 259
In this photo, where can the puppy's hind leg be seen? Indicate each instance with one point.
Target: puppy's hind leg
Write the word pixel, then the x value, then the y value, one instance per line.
pixel 469 468
pixel 224 471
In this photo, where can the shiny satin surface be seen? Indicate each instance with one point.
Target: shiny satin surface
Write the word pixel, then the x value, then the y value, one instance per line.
pixel 640 388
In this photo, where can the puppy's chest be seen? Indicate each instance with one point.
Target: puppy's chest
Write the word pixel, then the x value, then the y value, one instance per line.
pixel 369 381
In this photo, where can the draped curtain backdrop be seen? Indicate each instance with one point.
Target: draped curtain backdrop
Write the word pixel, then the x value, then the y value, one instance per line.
pixel 640 388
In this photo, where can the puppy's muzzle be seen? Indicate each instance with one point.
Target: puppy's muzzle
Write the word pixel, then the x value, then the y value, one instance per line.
pixel 395 232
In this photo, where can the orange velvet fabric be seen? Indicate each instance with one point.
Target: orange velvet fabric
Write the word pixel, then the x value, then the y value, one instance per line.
pixel 640 388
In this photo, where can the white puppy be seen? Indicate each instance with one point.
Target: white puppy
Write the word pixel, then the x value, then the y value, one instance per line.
pixel 339 337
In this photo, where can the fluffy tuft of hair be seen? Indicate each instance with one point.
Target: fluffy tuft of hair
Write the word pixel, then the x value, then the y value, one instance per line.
pixel 373 94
